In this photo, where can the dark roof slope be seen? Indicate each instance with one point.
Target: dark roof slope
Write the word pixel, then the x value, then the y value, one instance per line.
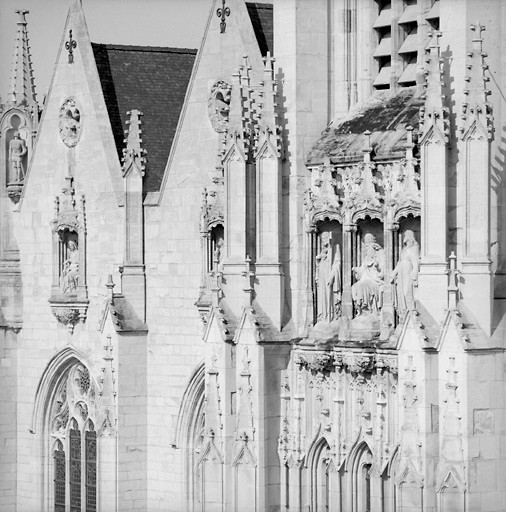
pixel 261 16
pixel 153 80
pixel 385 116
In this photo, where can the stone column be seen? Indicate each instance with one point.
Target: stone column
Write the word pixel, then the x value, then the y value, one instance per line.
pixel 349 234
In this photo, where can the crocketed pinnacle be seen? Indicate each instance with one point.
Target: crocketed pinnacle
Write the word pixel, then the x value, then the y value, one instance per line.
pixel 433 113
pixel 476 109
pixel 22 89
pixel 134 152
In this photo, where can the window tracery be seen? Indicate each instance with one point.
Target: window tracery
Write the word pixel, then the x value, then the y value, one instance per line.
pixel 72 423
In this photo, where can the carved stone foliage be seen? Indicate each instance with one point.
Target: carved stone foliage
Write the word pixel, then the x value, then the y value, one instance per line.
pixel 218 105
pixel 343 396
pixel 69 299
pixel 70 123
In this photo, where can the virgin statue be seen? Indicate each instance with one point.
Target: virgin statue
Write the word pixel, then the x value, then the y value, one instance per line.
pixel 368 290
pixel 70 270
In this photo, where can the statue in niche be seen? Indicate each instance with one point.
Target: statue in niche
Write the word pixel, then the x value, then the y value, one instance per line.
pixel 368 290
pixel 70 270
pixel 328 281
pixel 218 254
pixel 17 150
pixel 405 274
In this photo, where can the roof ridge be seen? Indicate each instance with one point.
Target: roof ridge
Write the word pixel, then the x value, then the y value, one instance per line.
pixel 261 5
pixel 127 47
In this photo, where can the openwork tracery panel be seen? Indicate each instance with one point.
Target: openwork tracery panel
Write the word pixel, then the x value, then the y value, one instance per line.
pixel 72 423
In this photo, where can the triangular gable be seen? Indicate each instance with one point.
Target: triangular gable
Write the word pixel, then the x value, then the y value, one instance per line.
pixel 78 80
pixel 219 56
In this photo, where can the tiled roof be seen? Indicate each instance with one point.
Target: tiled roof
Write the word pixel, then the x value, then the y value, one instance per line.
pixel 153 80
pixel 386 117
pixel 261 16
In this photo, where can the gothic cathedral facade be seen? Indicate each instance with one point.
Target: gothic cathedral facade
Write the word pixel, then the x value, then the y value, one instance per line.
pixel 265 275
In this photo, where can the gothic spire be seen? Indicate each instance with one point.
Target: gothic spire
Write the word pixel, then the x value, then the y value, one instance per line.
pixel 433 115
pixel 22 87
pixel 134 153
pixel 476 109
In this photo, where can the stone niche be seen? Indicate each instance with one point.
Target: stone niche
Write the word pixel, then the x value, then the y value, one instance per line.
pixel 69 295
pixel 15 151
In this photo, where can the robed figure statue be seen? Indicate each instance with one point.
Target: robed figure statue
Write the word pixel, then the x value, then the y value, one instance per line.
pixel 405 274
pixel 328 280
pixel 367 292
pixel 70 270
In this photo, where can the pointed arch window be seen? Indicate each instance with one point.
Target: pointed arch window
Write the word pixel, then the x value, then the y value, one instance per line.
pixel 72 416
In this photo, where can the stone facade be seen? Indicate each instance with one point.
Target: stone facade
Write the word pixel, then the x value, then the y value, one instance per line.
pixel 285 292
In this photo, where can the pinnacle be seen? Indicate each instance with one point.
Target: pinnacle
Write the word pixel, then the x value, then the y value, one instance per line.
pixel 476 106
pixel 134 153
pixel 22 87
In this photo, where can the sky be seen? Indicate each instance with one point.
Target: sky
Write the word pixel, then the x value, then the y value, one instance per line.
pixel 177 23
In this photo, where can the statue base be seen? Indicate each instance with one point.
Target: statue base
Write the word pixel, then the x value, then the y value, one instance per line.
pixel 14 190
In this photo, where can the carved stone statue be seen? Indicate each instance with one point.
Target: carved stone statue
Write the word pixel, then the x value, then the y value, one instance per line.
pixel 328 280
pixel 17 150
pixel 368 290
pixel 70 270
pixel 405 274
pixel 218 254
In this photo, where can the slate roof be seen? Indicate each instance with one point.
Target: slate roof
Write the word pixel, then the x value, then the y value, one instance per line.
pixel 385 116
pixel 153 80
pixel 262 19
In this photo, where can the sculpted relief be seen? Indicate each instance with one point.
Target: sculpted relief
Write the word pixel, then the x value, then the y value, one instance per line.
pixel 367 291
pixel 70 125
pixel 219 105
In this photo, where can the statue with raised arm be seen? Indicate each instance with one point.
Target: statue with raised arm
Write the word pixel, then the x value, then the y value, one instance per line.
pixel 405 274
pixel 17 150
pixel 328 280
pixel 70 270
pixel 367 292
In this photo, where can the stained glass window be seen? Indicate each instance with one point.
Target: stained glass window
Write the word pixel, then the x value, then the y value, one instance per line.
pixel 91 471
pixel 75 470
pixel 59 480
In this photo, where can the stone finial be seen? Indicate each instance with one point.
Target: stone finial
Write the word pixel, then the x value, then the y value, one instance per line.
pixel 110 289
pixel 434 115
pixel 133 154
pixel 249 274
pixel 453 287
pixel 476 109
pixel 268 130
pixel 22 88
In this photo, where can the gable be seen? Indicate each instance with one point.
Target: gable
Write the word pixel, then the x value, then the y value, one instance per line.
pixel 154 81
